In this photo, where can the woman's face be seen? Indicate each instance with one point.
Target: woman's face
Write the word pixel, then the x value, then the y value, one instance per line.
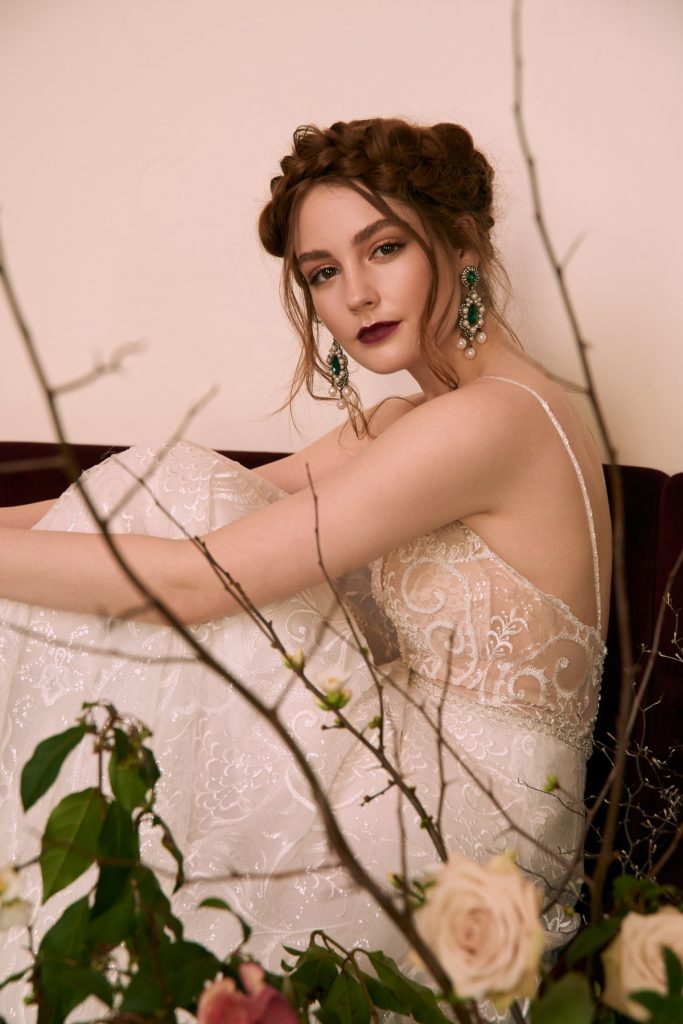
pixel 369 278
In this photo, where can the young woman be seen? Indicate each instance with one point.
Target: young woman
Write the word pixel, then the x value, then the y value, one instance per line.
pixel 478 504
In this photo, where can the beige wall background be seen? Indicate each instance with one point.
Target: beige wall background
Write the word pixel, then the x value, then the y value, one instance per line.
pixel 138 140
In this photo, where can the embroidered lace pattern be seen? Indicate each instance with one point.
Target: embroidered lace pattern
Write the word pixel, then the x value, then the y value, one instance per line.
pixel 468 621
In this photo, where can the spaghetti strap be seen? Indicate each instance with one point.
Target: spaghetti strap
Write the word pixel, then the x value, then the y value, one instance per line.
pixel 582 483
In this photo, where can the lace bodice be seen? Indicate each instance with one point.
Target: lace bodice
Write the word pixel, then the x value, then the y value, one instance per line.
pixel 465 619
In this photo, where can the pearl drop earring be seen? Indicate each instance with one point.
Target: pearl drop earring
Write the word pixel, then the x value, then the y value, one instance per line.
pixel 471 313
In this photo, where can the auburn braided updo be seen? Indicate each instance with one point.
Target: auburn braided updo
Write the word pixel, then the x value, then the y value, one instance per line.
pixel 434 170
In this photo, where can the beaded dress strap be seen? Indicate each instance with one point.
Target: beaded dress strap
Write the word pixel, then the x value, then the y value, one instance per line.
pixel 582 483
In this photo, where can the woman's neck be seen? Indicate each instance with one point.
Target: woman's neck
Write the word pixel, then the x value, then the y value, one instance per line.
pixel 497 355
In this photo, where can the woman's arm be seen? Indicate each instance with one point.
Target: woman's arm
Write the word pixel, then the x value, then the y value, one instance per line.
pixel 448 459
pixel 23 517
pixel 333 450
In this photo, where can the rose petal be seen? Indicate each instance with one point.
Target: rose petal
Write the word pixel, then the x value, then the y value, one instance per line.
pixel 483 922
pixel 634 959
pixel 251 976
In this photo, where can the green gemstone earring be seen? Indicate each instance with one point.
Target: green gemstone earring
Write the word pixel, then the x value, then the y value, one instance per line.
pixel 339 370
pixel 470 313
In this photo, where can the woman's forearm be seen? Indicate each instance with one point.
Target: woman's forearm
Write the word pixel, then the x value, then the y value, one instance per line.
pixel 78 572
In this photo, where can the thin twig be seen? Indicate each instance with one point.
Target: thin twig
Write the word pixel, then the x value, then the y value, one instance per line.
pixel 231 876
pixel 101 369
pixel 616 489
pixel 348 618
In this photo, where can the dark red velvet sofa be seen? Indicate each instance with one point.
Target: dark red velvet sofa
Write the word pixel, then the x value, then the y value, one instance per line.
pixel 654 539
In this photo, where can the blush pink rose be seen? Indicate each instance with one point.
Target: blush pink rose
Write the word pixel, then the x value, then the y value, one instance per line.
pixel 222 1002
pixel 483 923
pixel 634 959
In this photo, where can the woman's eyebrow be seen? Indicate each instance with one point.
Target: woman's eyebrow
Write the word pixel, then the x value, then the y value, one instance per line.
pixel 361 236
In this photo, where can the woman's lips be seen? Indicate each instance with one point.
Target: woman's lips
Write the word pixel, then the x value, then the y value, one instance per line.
pixel 378 331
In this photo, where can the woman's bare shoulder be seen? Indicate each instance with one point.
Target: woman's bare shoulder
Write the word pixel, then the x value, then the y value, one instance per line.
pixel 334 449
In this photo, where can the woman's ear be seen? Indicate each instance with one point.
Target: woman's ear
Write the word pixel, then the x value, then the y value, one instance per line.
pixel 466 247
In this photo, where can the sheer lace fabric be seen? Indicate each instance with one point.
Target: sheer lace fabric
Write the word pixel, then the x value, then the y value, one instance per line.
pixel 469 622
pixel 518 705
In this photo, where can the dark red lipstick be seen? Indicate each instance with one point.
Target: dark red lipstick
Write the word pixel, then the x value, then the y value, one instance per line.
pixel 377 331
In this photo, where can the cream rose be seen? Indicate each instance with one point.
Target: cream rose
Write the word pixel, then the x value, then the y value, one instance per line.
pixel 634 959
pixel 483 923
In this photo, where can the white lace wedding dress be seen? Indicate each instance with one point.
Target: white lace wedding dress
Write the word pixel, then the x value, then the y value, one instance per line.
pixel 517 676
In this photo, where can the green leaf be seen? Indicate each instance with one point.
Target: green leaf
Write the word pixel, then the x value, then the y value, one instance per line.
pixel 133 772
pixel 118 840
pixel 188 967
pixel 169 843
pixel 153 910
pixel 674 972
pixel 145 994
pixel 639 892
pixel 417 1000
pixel 113 925
pixel 63 978
pixel 382 997
pixel 310 950
pixel 218 904
pixel 345 1003
pixel 215 901
pixel 88 982
pixel 567 1002
pixel 150 767
pixel 663 1009
pixel 66 938
pixel 65 986
pixel 590 940
pixel 315 973
pixel 70 840
pixel 177 979
pixel 43 768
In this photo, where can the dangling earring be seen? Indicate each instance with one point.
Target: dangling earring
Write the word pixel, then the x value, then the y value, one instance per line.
pixel 470 313
pixel 339 369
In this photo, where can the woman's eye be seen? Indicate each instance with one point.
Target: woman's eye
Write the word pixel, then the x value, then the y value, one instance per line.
pixel 388 248
pixel 322 275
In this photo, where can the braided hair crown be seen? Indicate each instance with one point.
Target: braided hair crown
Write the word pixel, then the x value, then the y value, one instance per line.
pixel 436 170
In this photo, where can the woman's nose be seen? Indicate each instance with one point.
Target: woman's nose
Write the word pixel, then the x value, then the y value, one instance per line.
pixel 360 292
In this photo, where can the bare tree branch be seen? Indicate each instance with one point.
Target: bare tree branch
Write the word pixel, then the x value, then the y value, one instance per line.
pixel 114 364
pixel 628 667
